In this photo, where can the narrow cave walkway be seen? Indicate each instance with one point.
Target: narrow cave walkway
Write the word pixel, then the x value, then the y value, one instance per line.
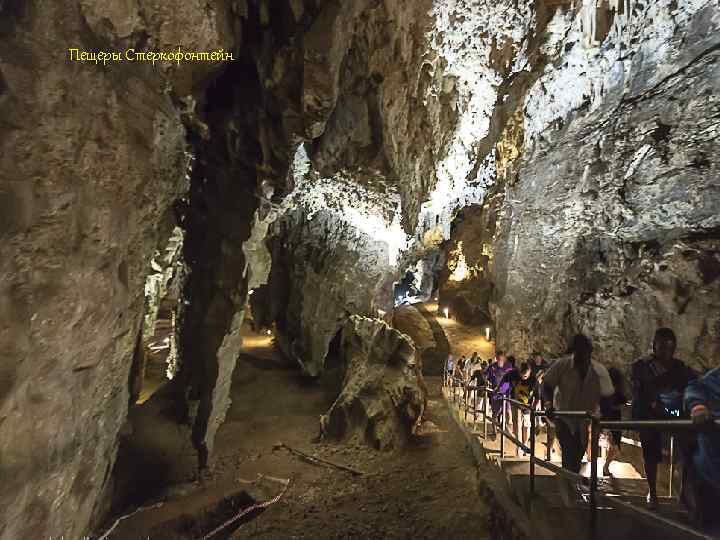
pixel 428 490
pixel 463 339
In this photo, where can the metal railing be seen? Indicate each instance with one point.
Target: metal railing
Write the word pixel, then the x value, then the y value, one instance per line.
pixel 596 425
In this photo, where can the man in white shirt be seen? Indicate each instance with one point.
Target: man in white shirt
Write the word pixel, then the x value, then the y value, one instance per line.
pixel 581 383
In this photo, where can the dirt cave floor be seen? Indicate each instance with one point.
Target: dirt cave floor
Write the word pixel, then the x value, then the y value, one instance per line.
pixel 428 490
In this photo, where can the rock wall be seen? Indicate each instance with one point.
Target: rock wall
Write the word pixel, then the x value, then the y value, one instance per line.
pixel 383 395
pixel 610 221
pixel 373 97
pixel 466 283
pixel 593 125
pixel 594 149
pixel 91 160
pixel 323 271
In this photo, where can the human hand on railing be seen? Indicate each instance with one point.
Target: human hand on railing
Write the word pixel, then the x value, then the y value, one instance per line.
pixel 700 415
pixel 549 410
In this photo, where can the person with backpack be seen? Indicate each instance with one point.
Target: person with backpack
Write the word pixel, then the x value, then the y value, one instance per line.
pixel 522 384
pixel 494 377
pixel 449 369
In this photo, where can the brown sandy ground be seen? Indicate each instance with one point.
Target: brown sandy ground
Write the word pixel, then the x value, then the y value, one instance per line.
pixel 427 490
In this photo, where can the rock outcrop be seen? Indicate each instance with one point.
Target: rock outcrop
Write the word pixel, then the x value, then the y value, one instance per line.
pixel 329 156
pixel 431 343
pixel 409 321
pixel 383 395
pixel 92 158
pixel 610 222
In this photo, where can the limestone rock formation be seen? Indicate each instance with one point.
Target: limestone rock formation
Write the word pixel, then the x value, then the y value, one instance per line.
pixel 610 225
pixel 92 159
pixel 427 335
pixel 383 395
pixel 600 208
pixel 409 321
pixel 465 284
pixel 333 153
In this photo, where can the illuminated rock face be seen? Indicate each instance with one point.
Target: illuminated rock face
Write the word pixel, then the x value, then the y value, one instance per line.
pixel 469 299
pixel 383 395
pixel 586 130
pixel 598 157
pixel 610 225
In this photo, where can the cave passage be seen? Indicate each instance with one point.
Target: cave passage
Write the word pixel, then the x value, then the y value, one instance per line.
pixel 397 493
pixel 241 239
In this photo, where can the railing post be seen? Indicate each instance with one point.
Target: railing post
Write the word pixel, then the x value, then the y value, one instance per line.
pixel 548 446
pixel 502 429
pixel 513 413
pixel 594 443
pixel 532 451
pixel 475 406
pixel 672 465
pixel 485 404
pixel 465 398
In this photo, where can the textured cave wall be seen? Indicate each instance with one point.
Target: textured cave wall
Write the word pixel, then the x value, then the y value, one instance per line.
pixel 323 271
pixel 377 113
pixel 593 130
pixel 91 159
pixel 610 220
pixel 221 202
pixel 392 110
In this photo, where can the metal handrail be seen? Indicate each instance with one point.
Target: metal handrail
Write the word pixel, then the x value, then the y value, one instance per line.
pixel 666 425
pixel 596 424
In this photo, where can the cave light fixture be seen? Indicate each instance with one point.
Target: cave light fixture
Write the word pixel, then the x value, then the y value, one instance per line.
pixel 446 311
pixel 487 333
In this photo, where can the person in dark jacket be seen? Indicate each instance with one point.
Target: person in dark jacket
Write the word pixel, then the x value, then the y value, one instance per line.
pixel 702 399
pixel 658 384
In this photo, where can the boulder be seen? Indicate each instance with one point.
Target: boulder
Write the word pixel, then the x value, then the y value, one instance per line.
pixel 409 321
pixel 428 336
pixel 383 395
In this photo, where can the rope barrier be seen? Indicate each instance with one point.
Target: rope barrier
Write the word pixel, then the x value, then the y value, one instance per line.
pixel 118 520
pixel 249 509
